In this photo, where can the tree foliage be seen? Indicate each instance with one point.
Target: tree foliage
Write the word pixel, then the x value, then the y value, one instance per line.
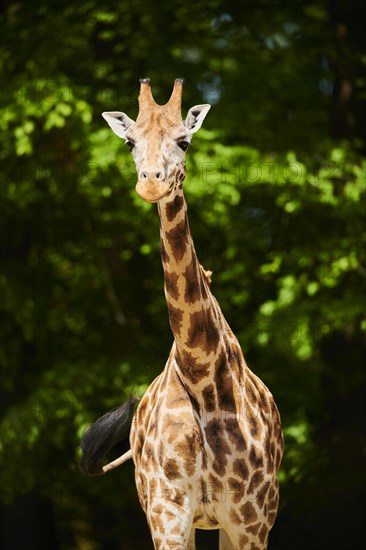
pixel 276 190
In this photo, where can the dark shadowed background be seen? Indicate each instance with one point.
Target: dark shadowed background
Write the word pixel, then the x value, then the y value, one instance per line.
pixel 276 193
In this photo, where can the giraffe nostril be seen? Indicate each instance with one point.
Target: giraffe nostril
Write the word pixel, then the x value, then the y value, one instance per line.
pixel 143 175
pixel 158 175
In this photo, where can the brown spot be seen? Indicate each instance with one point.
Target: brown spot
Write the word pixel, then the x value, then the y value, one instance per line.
pixel 153 425
pixel 234 517
pixel 178 498
pixel 216 439
pixel 170 543
pixel 181 176
pixel 171 284
pixel 241 469
pixel 213 521
pixel 204 294
pixel 255 457
pixel 251 394
pixel 273 449
pixel 248 512
pixel 174 425
pixel 267 450
pixel 262 493
pixel 236 489
pixel 224 384
pixel 161 453
pixel 278 459
pixel 192 368
pixel 177 397
pixel 255 381
pixel 156 519
pixel 152 430
pixel 262 535
pixel 235 435
pixel 237 355
pixel 192 290
pixel 149 452
pixel 142 407
pixel 208 394
pixel 175 319
pixel 203 456
pixel 204 497
pixel 176 530
pixel 194 403
pixel 140 442
pixel 274 496
pixel 173 207
pixel 152 487
pixel 153 390
pixel 190 465
pixel 243 540
pixel 177 239
pixel 277 427
pixel 253 529
pixel 255 427
pixel 164 255
pixel 215 488
pixel 271 518
pixel 197 518
pixel 264 402
pixel 273 503
pixel 255 481
pixel 187 450
pixel 203 331
pixel 166 490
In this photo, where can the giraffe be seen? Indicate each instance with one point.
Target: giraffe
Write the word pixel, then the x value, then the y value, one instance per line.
pixel 206 438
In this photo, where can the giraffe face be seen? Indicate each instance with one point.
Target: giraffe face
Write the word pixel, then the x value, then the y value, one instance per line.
pixel 158 148
pixel 158 141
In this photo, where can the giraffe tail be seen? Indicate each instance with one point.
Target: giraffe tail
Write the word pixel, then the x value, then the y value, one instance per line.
pixel 109 430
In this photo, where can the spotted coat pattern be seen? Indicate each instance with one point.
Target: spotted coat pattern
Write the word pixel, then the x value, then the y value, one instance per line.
pixel 206 439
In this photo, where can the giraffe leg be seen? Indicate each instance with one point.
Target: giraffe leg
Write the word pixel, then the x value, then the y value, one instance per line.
pixel 225 541
pixel 246 539
pixel 171 529
pixel 192 540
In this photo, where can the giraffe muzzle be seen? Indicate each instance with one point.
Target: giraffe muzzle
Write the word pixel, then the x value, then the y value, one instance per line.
pixel 152 190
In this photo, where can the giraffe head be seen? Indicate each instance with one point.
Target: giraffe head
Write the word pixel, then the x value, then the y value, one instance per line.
pixel 158 140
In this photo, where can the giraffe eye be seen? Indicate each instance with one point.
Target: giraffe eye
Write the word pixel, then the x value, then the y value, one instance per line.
pixel 130 144
pixel 183 145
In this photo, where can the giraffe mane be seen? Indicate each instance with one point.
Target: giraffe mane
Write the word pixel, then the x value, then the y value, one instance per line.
pixel 207 274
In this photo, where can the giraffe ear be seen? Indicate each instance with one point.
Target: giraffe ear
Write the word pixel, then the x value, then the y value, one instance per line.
pixel 196 115
pixel 119 122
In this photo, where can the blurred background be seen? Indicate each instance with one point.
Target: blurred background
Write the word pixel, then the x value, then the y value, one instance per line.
pixel 276 194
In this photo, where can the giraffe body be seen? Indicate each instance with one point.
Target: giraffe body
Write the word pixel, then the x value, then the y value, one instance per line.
pixel 209 470
pixel 206 438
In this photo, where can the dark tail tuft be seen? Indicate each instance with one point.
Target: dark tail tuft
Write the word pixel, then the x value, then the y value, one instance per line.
pixel 112 428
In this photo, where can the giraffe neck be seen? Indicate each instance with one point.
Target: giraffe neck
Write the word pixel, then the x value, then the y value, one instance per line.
pixel 194 315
